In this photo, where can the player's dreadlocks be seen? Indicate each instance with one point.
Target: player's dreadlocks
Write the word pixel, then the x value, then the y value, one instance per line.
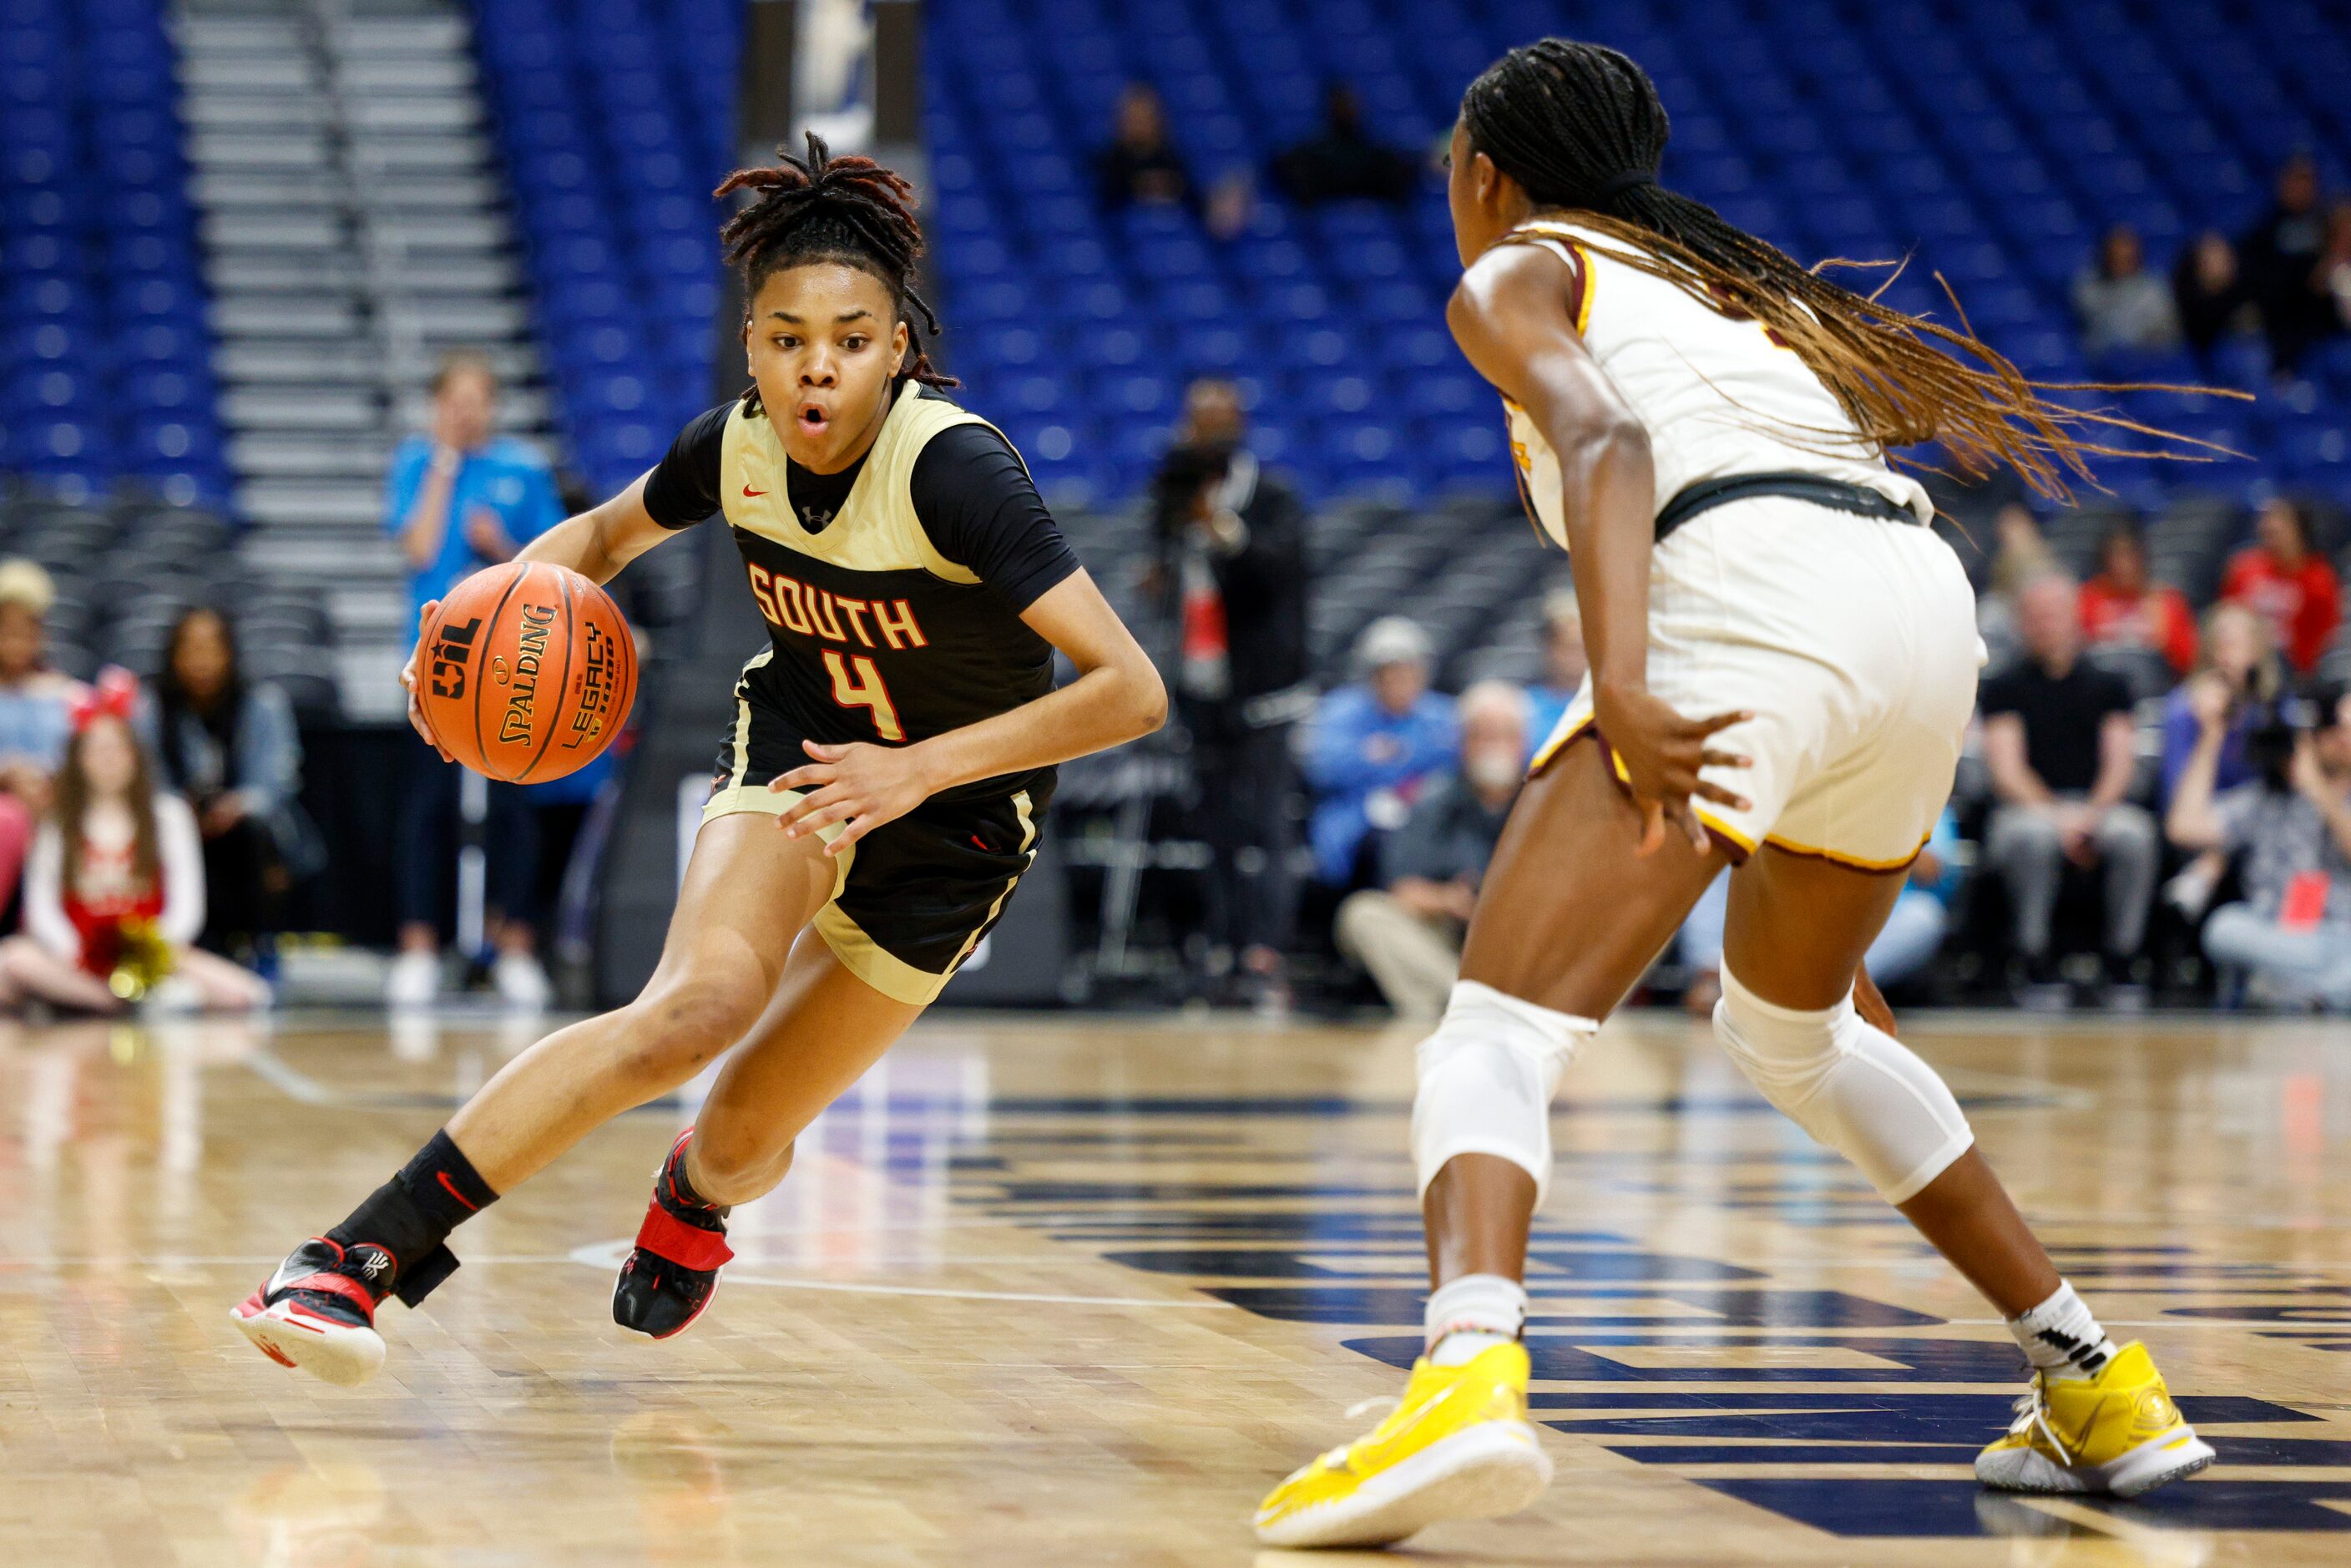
pixel 820 208
pixel 1581 126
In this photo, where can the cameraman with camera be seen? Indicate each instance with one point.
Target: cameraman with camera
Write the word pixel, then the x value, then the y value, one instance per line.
pixel 1231 575
pixel 2291 825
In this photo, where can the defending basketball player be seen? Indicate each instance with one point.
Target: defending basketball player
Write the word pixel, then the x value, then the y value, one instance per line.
pixel 878 793
pixel 1783 661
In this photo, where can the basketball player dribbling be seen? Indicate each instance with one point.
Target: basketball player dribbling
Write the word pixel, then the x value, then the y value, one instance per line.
pixel 1783 662
pixel 878 793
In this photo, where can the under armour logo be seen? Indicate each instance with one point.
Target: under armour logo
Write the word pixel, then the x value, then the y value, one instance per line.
pixel 814 519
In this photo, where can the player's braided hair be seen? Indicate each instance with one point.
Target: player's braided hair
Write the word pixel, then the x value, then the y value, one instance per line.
pixel 1581 126
pixel 848 210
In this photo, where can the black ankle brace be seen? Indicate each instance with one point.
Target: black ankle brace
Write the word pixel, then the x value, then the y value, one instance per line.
pixel 411 1215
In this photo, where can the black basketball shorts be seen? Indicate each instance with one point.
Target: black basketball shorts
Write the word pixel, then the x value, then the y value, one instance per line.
pixel 913 898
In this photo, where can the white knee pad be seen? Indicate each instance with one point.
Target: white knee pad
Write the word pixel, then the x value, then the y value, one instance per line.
pixel 1852 1086
pixel 1487 1076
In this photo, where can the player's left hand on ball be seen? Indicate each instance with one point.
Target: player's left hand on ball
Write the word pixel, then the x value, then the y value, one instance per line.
pixel 864 786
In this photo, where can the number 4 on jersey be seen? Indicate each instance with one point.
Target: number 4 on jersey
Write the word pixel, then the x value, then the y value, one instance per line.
pixel 866 690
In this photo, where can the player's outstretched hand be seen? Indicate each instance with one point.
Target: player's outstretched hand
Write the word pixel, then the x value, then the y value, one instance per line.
pixel 862 784
pixel 1661 753
pixel 408 682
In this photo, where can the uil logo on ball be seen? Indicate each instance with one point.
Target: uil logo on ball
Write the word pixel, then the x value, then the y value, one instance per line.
pixel 452 647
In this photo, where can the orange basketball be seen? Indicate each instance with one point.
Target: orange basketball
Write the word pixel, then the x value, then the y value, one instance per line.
pixel 526 672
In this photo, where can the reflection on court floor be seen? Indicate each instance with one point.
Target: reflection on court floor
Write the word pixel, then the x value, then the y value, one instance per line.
pixel 1098 1281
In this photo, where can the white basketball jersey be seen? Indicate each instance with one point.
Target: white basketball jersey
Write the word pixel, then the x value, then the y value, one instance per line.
pixel 1716 394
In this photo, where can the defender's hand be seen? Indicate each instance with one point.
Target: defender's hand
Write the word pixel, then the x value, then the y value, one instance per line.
pixel 1662 753
pixel 861 784
pixel 408 678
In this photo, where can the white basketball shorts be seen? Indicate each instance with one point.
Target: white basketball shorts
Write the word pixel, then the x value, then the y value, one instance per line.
pixel 1853 642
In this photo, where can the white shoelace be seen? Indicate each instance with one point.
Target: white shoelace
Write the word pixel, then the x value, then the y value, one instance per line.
pixel 2031 1411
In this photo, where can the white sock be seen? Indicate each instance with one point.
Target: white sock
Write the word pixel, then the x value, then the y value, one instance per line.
pixel 1473 1313
pixel 2061 1338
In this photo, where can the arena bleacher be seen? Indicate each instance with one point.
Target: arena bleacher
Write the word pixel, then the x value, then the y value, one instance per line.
pixel 1989 144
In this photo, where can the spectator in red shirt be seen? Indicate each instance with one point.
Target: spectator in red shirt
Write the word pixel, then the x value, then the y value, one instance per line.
pixel 2121 606
pixel 2289 584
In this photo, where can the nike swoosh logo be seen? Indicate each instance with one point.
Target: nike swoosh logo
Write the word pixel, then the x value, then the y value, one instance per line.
pixel 749 492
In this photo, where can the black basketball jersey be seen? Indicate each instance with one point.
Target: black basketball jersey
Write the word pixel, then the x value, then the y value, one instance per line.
pixel 892 590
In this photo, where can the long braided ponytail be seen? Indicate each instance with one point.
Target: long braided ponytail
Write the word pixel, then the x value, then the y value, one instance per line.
pixel 1581 126
pixel 848 210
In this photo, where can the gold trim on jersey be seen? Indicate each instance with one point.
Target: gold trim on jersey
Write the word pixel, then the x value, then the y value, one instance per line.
pixel 876 528
pixel 1850 862
pixel 1580 263
pixel 743 722
pixel 893 976
pixel 1551 748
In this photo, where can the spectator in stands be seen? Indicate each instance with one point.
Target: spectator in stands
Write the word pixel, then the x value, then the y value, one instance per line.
pixel 2239 661
pixel 2334 271
pixel 1407 932
pixel 1564 662
pixel 2290 824
pixel 115 890
pixel 1232 576
pixel 1140 165
pixel 2210 293
pixel 2020 554
pixel 1343 161
pixel 35 718
pixel 2281 256
pixel 1371 748
pixel 2058 741
pixel 34 699
pixel 459 498
pixel 229 748
pixel 2123 305
pixel 2123 607
pixel 2283 575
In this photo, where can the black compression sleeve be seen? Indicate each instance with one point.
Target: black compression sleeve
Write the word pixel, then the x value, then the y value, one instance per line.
pixel 977 504
pixel 684 487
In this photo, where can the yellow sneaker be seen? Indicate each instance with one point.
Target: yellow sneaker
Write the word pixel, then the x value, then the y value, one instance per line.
pixel 1460 1445
pixel 2117 1432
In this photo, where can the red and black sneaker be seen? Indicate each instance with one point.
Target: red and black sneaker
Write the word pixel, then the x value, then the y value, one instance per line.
pixel 318 1312
pixel 673 1272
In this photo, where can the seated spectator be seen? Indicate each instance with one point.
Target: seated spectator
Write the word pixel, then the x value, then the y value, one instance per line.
pixel 229 748
pixel 1407 933
pixel 2057 740
pixel 1140 165
pixel 2122 305
pixel 1371 745
pixel 1343 161
pixel 1565 665
pixel 2240 658
pixel 2122 607
pixel 2020 554
pixel 35 720
pixel 2291 827
pixel 2285 578
pixel 116 883
pixel 2209 294
pixel 2281 256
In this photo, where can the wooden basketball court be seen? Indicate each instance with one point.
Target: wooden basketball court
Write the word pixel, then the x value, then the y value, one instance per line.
pixel 1056 1291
